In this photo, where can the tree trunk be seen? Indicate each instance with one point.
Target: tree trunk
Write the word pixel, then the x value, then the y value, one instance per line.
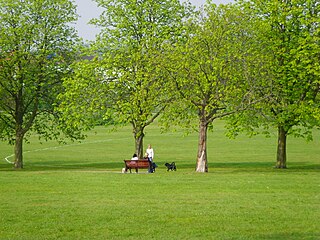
pixel 18 156
pixel 202 162
pixel 282 148
pixel 138 138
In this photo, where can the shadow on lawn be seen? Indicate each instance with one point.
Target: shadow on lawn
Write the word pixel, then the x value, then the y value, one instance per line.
pixel 64 165
pixel 265 166
pixel 117 166
pixel 291 236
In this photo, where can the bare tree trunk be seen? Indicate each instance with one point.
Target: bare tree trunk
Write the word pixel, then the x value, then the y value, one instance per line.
pixel 282 148
pixel 202 162
pixel 18 156
pixel 138 138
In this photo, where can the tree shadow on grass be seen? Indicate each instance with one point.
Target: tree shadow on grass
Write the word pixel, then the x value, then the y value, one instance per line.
pixel 64 165
pixel 117 166
pixel 230 166
pixel 291 236
pixel 265 166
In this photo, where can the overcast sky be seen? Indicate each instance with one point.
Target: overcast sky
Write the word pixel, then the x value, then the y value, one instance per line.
pixel 88 9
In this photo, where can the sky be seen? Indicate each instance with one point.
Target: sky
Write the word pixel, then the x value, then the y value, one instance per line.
pixel 87 9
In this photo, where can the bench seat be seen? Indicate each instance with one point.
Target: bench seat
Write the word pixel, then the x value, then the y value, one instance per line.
pixel 136 164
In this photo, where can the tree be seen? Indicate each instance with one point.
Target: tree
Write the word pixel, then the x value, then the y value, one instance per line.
pixel 132 87
pixel 291 37
pixel 211 70
pixel 35 49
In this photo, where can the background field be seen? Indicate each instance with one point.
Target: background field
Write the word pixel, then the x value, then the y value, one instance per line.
pixel 77 191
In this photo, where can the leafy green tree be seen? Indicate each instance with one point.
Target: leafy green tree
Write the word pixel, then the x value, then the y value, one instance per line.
pixel 291 36
pixel 35 49
pixel 211 70
pixel 126 73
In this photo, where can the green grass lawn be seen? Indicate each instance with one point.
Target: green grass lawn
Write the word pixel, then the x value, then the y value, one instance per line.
pixel 77 191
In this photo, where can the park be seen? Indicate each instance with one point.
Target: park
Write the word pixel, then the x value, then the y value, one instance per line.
pixel 77 190
pixel 229 93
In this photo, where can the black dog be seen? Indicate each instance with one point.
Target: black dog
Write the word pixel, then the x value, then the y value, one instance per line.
pixel 171 166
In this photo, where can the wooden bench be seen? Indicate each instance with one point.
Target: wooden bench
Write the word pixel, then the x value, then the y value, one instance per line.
pixel 141 163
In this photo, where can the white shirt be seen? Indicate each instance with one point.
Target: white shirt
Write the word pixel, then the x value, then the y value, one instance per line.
pixel 150 152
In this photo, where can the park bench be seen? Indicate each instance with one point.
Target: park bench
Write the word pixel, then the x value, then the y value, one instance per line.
pixel 141 163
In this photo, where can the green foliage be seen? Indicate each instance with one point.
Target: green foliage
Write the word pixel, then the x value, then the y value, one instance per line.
pixel 36 48
pixel 82 102
pixel 131 45
pixel 291 83
pixel 125 83
pixel 211 68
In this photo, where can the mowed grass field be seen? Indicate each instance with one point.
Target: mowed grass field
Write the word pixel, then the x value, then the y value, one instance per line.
pixel 77 190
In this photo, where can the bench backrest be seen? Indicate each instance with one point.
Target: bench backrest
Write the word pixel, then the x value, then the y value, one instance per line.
pixel 141 163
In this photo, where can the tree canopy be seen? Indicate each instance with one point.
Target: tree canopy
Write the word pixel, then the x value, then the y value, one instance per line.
pixel 253 61
pixel 291 82
pixel 132 86
pixel 36 47
pixel 211 69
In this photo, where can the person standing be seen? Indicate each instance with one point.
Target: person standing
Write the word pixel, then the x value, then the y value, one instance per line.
pixel 150 154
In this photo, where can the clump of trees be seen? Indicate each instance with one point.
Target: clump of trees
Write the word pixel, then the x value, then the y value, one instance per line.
pixel 254 63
